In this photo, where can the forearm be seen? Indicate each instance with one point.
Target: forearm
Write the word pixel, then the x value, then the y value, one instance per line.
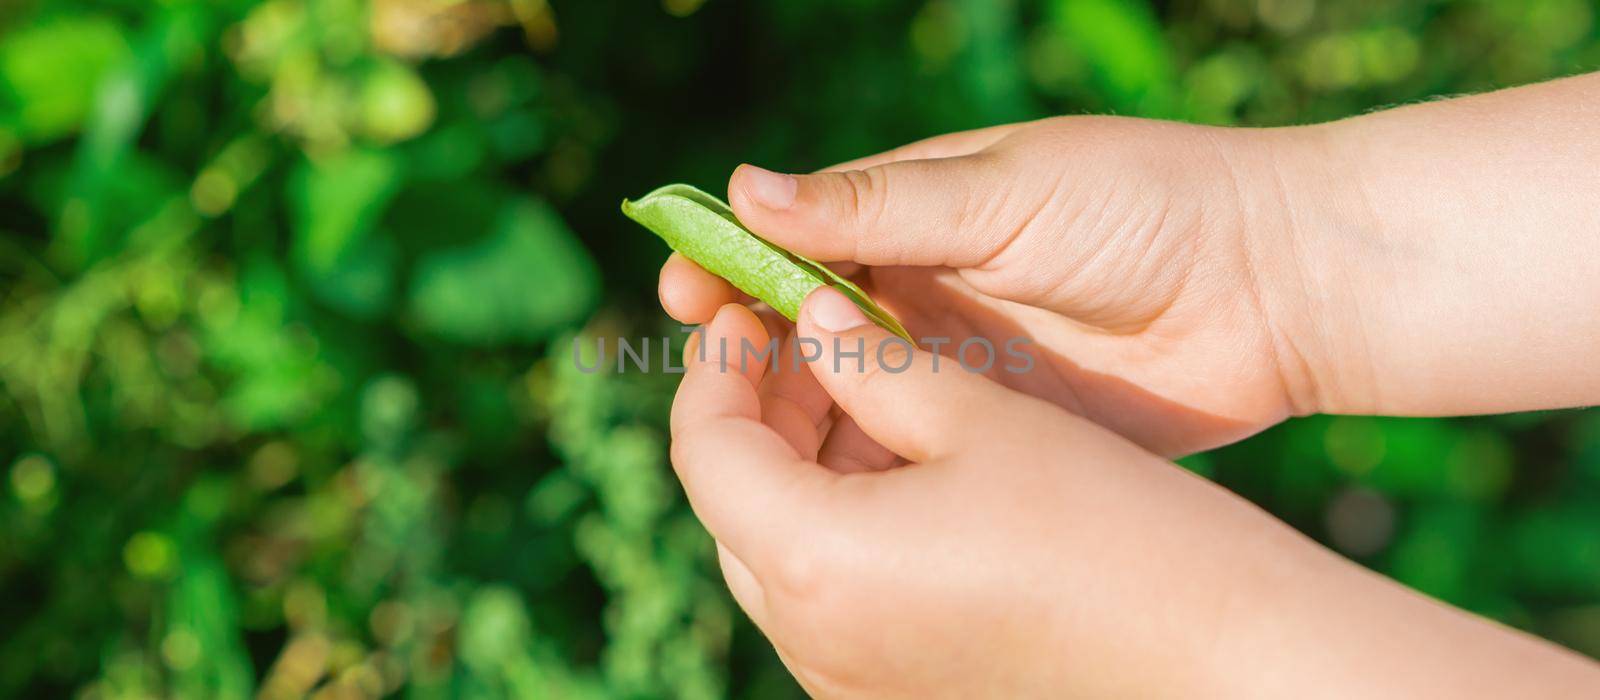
pixel 1296 620
pixel 1333 629
pixel 1444 258
pixel 1262 610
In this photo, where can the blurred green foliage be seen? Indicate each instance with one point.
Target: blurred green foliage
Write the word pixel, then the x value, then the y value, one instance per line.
pixel 289 286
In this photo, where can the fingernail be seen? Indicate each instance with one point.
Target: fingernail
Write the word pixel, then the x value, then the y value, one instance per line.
pixel 769 189
pixel 834 312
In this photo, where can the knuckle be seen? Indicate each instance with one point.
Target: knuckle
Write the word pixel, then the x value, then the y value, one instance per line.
pixel 681 449
pixel 692 442
pixel 866 192
pixel 885 359
pixel 893 355
pixel 677 420
pixel 973 214
pixel 798 574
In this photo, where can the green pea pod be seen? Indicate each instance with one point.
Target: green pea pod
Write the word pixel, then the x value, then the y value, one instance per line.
pixel 704 229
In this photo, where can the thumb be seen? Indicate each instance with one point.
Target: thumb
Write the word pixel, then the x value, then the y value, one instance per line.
pixel 918 404
pixel 914 212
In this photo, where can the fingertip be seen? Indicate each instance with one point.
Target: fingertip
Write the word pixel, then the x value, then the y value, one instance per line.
pixel 731 319
pixel 926 218
pixel 739 199
pixel 731 336
pixel 713 386
pixel 900 396
pixel 793 211
pixel 831 311
pixel 689 293
pixel 761 187
pixel 724 330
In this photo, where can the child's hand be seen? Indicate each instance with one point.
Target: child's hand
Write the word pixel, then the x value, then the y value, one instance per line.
pixel 1119 246
pixel 1188 285
pixel 1026 552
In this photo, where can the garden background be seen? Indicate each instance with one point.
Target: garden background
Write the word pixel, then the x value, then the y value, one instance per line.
pixel 287 292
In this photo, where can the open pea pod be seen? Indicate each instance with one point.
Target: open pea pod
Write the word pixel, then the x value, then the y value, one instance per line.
pixel 704 229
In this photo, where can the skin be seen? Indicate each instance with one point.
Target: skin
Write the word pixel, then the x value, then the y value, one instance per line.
pixel 951 534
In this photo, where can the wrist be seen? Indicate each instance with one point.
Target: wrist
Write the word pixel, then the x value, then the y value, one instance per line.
pixel 1301 200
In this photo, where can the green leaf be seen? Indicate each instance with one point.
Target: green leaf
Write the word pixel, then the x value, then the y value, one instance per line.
pixel 51 71
pixel 704 229
pixel 529 278
pixel 124 94
pixel 203 644
pixel 337 202
pixel 1123 44
pixel 993 77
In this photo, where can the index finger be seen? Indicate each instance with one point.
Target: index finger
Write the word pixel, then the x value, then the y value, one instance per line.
pixel 690 294
pixel 746 483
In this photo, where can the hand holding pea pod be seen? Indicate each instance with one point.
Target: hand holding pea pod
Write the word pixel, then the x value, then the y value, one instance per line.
pixel 918 534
